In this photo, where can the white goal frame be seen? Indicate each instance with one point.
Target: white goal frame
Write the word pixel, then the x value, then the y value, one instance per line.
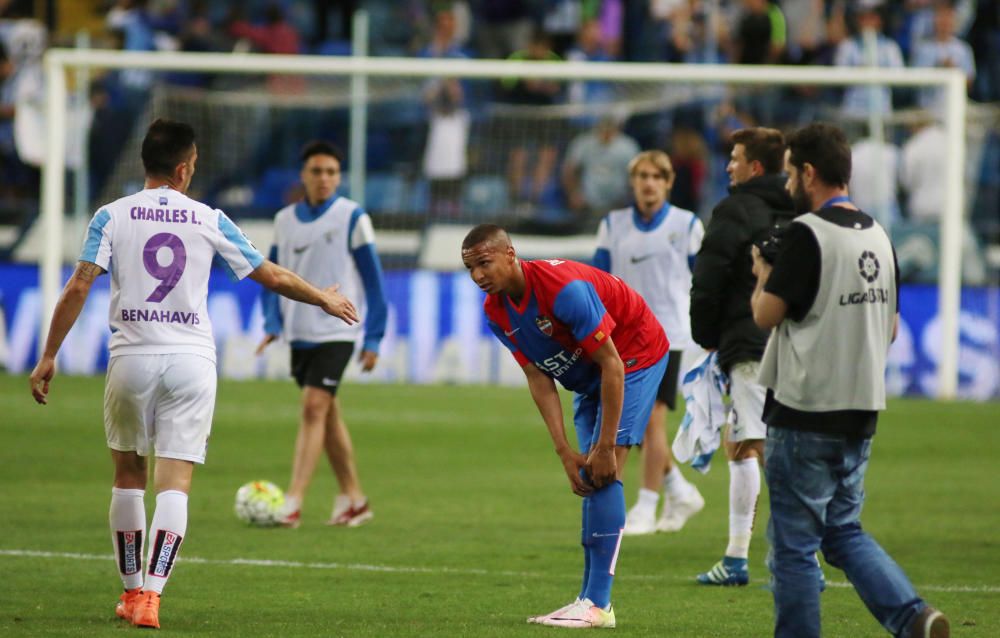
pixel 58 61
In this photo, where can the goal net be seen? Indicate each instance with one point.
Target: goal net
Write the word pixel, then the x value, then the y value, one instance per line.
pixel 434 147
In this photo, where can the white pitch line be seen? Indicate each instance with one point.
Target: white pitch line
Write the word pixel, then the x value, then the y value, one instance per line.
pixel 363 567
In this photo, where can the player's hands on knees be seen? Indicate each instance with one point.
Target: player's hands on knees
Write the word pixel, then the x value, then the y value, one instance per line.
pixel 573 463
pixel 40 377
pixel 340 306
pixel 368 359
pixel 602 466
pixel 265 342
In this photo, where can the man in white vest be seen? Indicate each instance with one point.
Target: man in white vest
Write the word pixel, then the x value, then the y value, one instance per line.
pixel 651 246
pixel 832 298
pixel 326 237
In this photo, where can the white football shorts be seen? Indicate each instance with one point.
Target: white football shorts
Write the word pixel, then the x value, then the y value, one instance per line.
pixel 747 408
pixel 160 403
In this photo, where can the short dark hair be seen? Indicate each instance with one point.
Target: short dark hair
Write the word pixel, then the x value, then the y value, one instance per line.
pixel 825 147
pixel 167 144
pixel 481 233
pixel 764 145
pixel 321 147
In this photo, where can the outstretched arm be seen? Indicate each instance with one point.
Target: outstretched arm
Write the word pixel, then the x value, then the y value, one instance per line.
pixel 68 308
pixel 546 396
pixel 272 310
pixel 288 284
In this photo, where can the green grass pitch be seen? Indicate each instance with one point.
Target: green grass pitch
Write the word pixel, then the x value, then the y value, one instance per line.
pixel 475 526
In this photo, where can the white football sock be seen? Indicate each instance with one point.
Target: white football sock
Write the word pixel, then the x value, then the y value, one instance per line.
pixel 648 500
pixel 165 536
pixel 674 483
pixel 744 488
pixel 127 517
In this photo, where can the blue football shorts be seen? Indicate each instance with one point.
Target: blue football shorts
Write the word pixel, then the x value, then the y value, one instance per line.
pixel 641 387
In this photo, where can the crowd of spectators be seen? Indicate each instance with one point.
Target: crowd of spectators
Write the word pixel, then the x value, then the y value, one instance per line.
pixel 556 171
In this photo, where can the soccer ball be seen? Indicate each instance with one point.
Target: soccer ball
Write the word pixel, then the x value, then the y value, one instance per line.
pixel 259 503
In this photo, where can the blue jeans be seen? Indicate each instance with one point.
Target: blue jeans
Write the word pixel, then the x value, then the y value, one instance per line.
pixel 816 486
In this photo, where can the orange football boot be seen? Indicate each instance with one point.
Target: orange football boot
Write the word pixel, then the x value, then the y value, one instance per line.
pixel 147 610
pixel 126 603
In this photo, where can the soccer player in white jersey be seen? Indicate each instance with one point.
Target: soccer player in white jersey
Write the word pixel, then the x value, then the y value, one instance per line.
pixel 159 245
pixel 326 237
pixel 651 245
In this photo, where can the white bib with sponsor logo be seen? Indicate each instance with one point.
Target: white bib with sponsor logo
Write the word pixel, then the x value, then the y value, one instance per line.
pixel 654 261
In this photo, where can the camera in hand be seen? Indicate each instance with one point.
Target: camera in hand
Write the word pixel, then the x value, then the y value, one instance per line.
pixel 770 245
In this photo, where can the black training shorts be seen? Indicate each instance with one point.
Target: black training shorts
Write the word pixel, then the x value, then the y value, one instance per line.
pixel 321 366
pixel 668 386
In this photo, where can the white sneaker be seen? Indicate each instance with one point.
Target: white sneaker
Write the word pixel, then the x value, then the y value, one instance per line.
pixel 537 620
pixel 677 511
pixel 289 514
pixel 584 614
pixel 639 521
pixel 347 514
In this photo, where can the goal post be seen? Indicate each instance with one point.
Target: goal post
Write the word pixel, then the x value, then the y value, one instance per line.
pixel 359 69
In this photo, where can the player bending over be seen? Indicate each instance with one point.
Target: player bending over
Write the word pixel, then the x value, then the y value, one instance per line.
pixel 568 321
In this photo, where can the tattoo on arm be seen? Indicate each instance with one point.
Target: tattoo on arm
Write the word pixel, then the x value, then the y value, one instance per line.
pixel 88 271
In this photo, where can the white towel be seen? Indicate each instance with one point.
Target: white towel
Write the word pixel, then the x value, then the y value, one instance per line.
pixel 700 432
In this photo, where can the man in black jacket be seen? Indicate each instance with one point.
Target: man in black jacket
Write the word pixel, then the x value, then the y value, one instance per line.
pixel 721 320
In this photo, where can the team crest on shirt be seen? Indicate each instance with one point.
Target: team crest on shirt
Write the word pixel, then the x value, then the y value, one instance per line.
pixel 544 324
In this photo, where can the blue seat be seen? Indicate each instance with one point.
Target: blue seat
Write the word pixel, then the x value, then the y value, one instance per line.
pixel 344 190
pixel 419 200
pixel 385 193
pixel 555 215
pixel 273 185
pixel 485 195
pixel 380 150
pixel 333 47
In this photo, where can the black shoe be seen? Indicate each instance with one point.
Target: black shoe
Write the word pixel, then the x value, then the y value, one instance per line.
pixel 929 623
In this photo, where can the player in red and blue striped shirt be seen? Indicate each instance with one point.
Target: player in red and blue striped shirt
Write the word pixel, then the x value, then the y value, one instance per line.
pixel 567 321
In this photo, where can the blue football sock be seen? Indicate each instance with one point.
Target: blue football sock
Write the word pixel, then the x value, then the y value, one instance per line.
pixel 584 538
pixel 606 520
